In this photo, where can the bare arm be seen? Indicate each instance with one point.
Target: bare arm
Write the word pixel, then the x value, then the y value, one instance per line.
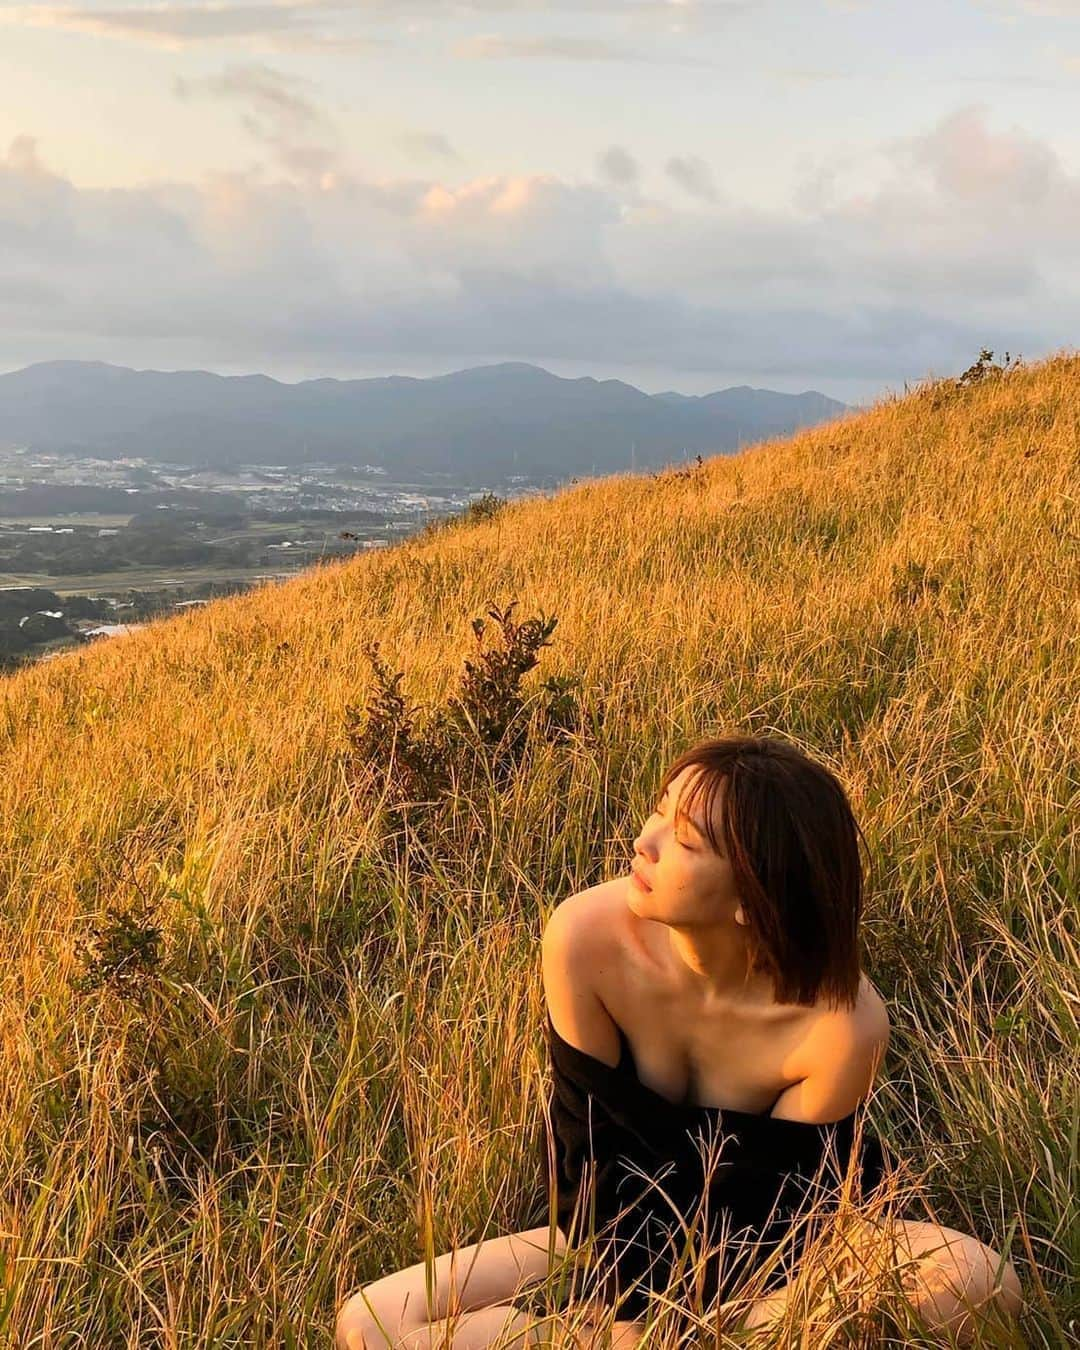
pixel 842 1056
pixel 571 950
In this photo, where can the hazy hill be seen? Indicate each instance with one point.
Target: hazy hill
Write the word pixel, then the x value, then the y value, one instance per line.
pixel 261 1043
pixel 487 421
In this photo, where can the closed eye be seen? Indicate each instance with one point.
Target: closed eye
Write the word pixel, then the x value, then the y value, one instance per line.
pixel 689 847
pixel 659 812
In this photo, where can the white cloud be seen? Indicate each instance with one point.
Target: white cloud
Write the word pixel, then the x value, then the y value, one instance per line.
pixel 802 76
pixel 967 240
pixel 693 175
pixel 965 159
pixel 618 166
pixel 494 47
pixel 1056 9
pixel 275 94
pixel 1011 10
pixel 300 25
pixel 426 145
pixel 340 25
pixel 278 114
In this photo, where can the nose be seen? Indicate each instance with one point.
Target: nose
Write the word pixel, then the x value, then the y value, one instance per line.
pixel 640 843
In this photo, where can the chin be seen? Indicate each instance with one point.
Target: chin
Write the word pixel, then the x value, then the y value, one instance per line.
pixel 636 898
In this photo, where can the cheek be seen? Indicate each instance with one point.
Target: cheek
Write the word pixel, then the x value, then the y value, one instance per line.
pixel 685 864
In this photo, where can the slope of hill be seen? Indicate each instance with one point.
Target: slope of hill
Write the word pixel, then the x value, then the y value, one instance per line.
pixel 507 418
pixel 264 1039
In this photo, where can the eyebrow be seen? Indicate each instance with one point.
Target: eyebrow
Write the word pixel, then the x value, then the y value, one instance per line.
pixel 680 814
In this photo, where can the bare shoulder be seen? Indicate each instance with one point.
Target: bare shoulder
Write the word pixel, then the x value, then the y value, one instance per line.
pixel 580 944
pixel 872 1011
pixel 851 1030
pixel 838 1060
pixel 595 916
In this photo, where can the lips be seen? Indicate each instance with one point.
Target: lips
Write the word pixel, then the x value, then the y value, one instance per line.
pixel 640 879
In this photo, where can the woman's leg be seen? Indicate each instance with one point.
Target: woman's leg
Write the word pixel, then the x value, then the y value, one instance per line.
pixel 472 1288
pixel 948 1278
pixel 952 1285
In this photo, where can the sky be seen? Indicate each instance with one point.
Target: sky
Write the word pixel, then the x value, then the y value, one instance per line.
pixel 838 195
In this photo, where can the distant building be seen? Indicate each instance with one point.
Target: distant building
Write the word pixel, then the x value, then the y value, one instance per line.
pixel 112 629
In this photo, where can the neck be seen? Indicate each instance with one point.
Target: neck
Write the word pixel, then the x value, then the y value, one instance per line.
pixel 715 967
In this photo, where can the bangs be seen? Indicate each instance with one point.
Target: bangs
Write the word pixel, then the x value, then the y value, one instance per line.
pixel 705 783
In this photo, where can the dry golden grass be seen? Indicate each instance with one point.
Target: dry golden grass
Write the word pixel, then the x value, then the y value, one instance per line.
pixel 340 1060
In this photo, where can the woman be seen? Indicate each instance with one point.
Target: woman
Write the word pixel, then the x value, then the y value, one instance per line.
pixel 714 996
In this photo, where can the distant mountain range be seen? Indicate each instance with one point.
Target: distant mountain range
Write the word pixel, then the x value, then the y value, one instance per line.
pixel 482 423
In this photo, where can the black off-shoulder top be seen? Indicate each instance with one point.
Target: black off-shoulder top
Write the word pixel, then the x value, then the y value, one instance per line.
pixel 648 1159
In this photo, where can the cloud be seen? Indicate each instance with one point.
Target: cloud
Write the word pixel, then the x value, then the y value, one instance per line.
pixel 965 159
pixel 618 166
pixel 1009 11
pixel 813 76
pixel 968 240
pixel 277 114
pixel 344 25
pixel 427 144
pixel 1015 80
pixel 493 47
pixel 278 26
pixel 1055 9
pixel 274 93
pixel 693 175
pixel 22 158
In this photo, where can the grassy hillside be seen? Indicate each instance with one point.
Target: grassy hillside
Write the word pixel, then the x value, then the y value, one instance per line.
pixel 266 1031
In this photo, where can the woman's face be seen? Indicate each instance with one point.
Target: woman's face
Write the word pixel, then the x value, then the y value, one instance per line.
pixel 689 883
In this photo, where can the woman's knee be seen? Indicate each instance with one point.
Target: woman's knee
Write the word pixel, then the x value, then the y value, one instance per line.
pixel 1011 1296
pixel 477 1276
pixel 348 1331
pixel 958 1280
pixel 366 1322
pixel 957 1258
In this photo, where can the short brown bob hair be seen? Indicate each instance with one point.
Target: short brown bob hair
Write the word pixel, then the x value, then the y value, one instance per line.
pixel 793 845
